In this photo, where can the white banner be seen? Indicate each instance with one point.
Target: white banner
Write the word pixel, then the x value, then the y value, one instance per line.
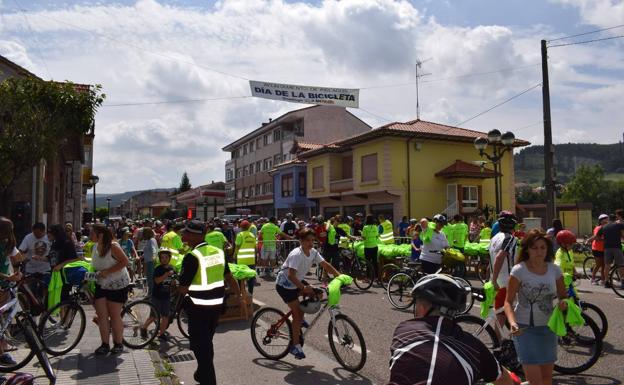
pixel 340 97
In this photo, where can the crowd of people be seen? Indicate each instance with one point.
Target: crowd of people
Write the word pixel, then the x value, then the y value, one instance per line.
pixel 125 250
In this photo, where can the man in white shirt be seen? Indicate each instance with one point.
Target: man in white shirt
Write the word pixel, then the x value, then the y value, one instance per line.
pixel 35 247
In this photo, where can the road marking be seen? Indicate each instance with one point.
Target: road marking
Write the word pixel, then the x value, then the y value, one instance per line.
pixel 357 348
pixel 259 303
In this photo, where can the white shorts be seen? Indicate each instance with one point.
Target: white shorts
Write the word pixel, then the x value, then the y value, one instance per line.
pixel 268 254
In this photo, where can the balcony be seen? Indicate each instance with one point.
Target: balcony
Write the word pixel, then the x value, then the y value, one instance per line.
pixel 336 186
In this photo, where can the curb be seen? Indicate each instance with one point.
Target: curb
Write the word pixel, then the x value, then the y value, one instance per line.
pixel 160 366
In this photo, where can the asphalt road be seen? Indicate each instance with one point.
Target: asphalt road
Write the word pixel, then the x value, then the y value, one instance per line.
pixel 377 320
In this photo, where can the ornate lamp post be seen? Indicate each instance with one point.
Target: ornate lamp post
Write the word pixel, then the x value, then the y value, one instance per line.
pixel 501 143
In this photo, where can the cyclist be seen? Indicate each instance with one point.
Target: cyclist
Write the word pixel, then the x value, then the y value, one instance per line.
pixel 597 248
pixel 434 241
pixel 564 258
pixel 431 349
pixel 503 249
pixel 290 283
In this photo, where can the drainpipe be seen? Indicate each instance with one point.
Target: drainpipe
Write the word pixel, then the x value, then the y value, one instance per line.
pixel 409 183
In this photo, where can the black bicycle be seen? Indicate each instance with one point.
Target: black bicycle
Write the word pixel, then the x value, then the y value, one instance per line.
pixel 20 338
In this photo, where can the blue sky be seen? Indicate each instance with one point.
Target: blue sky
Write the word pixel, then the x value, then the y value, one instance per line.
pixel 150 50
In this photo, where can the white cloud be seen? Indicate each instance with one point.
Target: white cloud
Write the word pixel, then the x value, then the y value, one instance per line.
pixel 603 13
pixel 152 51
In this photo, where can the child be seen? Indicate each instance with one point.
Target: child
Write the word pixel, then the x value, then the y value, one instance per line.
pixel 416 243
pixel 564 258
pixel 161 296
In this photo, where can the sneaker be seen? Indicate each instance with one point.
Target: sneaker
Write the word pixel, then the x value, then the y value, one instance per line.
pixel 7 359
pixel 297 352
pixel 305 324
pixel 594 282
pixel 117 349
pixel 102 350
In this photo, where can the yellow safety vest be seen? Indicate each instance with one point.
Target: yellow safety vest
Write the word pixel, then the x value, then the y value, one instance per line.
pixel 344 241
pixel 387 237
pixel 208 279
pixel 247 251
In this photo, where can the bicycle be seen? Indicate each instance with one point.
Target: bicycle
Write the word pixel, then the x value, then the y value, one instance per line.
pixel 589 262
pixel 581 344
pixel 349 263
pixel 588 308
pixel 177 312
pixel 271 334
pixel 399 290
pixel 616 280
pixel 30 294
pixel 22 337
pixel 62 327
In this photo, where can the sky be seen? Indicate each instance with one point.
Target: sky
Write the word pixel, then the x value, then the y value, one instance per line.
pixel 146 51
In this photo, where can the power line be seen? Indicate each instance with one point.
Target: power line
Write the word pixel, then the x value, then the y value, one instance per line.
pixel 473 74
pixel 586 41
pixel 499 104
pixel 99 34
pixel 375 115
pixel 32 35
pixel 174 101
pixel 587 33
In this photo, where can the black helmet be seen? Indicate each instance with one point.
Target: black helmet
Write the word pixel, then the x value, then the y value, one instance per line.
pixel 440 218
pixel 507 220
pixel 442 291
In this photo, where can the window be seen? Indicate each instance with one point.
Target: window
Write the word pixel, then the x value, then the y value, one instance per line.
pixel 347 167
pixel 229 174
pixel 266 164
pixel 268 188
pixel 245 171
pixel 236 153
pixel 277 135
pixel 245 149
pixel 302 184
pixel 267 139
pixel 251 191
pixel 251 146
pixel 470 198
pixel 287 185
pixel 369 168
pixel 238 172
pixel 251 169
pixel 329 212
pixel 298 127
pixel 258 189
pixel 239 194
pixel 317 178
pixel 258 166
pixel 258 143
pixel 277 159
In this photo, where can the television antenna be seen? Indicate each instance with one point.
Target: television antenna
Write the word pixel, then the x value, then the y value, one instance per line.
pixel 419 64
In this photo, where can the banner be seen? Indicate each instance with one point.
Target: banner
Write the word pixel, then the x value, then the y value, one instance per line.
pixel 340 97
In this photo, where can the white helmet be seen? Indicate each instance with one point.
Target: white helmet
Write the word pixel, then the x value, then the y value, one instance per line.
pixel 310 305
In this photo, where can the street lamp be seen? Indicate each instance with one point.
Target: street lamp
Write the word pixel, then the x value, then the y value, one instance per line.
pixel 94 179
pixel 108 201
pixel 501 143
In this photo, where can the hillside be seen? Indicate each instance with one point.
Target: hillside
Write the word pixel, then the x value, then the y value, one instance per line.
pixel 529 162
pixel 100 199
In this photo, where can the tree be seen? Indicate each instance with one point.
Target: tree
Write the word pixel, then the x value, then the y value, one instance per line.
pixel 36 117
pixel 586 186
pixel 101 213
pixel 185 184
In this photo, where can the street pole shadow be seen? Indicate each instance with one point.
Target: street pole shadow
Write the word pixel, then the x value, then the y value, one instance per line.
pixel 306 375
pixel 585 379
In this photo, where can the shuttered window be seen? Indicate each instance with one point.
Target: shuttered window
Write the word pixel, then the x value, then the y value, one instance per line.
pixel 369 168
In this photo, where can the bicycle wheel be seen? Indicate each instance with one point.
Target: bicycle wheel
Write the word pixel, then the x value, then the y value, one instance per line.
pixel 459 270
pixel 588 267
pixel 271 334
pixel 616 281
pixel 579 349
pixel 20 350
pixel 347 343
pixel 363 274
pixel 400 290
pixel 469 298
pixel 483 270
pixel 62 328
pixel 597 315
pixel 28 326
pixel 476 326
pixel 141 322
pixel 182 320
pixel 387 272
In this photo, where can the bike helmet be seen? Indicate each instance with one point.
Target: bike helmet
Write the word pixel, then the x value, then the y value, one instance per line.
pixel 442 291
pixel 440 218
pixel 166 250
pixel 310 305
pixel 507 220
pixel 566 237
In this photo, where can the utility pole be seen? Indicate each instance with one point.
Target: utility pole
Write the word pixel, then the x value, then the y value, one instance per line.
pixel 418 76
pixel 548 146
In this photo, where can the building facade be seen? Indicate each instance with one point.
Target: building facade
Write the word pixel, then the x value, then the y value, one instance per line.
pixel 249 187
pixel 205 202
pixel 140 204
pixel 290 190
pixel 416 169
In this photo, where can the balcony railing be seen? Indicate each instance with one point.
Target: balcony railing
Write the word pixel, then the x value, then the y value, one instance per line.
pixel 341 185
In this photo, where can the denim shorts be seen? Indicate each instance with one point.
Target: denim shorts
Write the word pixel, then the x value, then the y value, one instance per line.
pixel 536 345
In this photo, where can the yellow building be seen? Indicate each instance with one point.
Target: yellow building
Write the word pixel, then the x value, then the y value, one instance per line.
pixel 415 169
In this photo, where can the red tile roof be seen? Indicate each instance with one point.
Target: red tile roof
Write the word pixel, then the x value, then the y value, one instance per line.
pixel 461 169
pixel 305 146
pixel 412 129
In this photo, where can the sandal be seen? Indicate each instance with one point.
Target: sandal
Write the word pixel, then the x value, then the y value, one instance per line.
pixel 103 349
pixel 117 349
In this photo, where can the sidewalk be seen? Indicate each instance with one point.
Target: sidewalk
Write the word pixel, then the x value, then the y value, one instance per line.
pixel 238 363
pixel 82 367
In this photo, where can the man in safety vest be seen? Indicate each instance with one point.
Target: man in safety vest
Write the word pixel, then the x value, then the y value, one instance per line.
pixel 268 254
pixel 331 245
pixel 246 251
pixel 460 233
pixel 204 275
pixel 386 234
pixel 216 238
pixel 345 234
pixel 172 239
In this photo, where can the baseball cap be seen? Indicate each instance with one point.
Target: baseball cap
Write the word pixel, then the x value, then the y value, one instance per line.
pixel 195 227
pixel 603 216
